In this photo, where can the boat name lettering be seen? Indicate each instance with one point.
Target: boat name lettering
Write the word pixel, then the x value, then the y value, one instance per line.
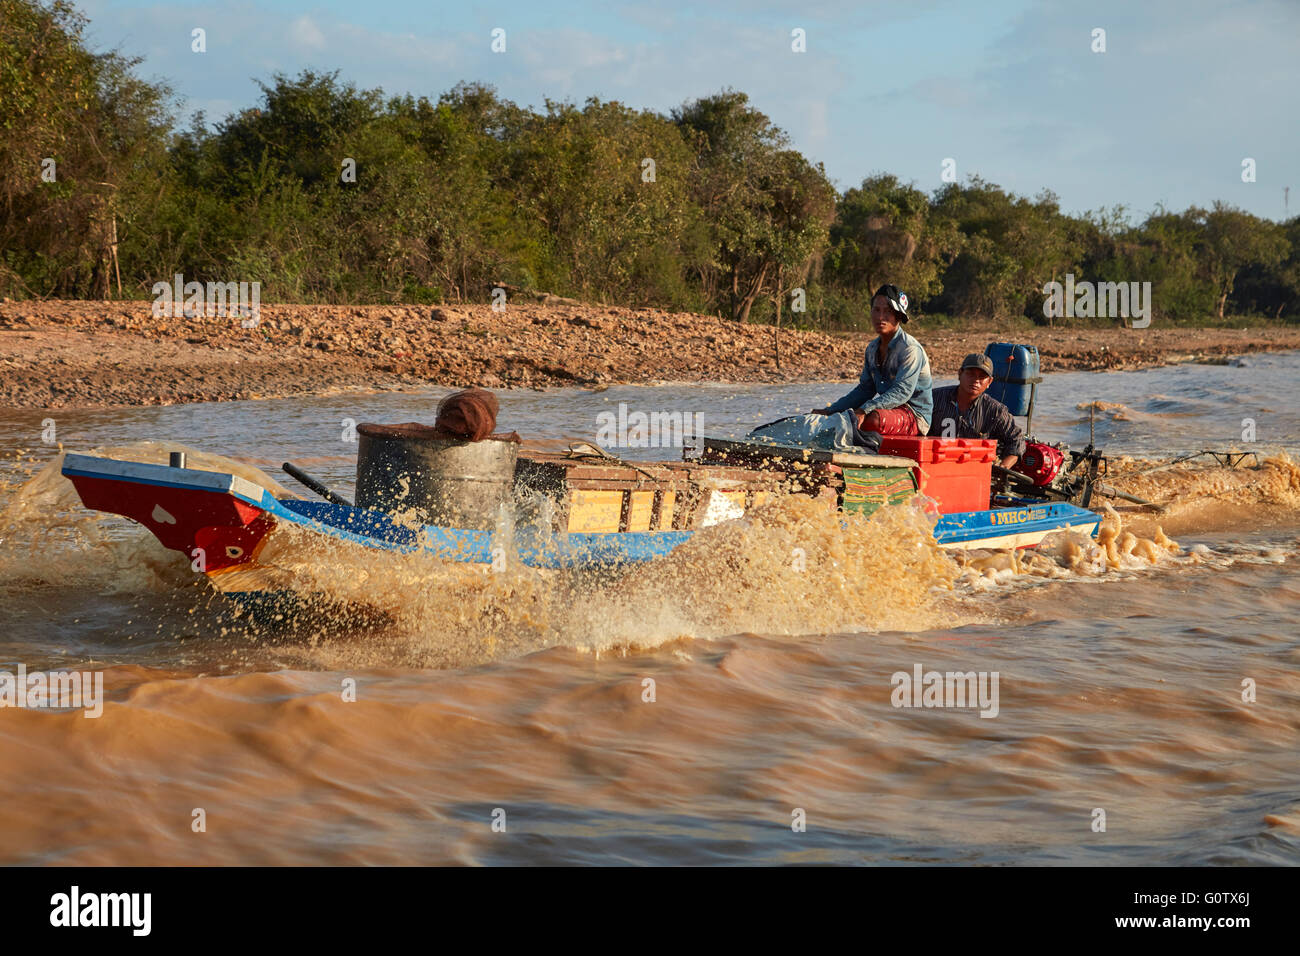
pixel 1012 517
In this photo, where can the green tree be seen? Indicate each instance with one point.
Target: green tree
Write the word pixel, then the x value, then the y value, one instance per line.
pixel 1272 289
pixel 1165 250
pixel 803 208
pixel 1009 248
pixel 741 170
pixel 96 121
pixel 610 216
pixel 883 232
pixel 1233 240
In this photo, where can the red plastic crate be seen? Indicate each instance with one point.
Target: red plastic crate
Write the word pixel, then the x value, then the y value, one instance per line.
pixel 955 472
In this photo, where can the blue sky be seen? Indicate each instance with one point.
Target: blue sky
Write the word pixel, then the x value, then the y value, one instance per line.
pixel 1009 89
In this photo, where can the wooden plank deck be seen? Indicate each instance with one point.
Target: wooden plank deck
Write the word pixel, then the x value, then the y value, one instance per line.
pixel 614 495
pixel 592 493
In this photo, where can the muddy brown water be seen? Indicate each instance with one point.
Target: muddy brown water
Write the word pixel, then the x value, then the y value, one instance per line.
pixel 722 706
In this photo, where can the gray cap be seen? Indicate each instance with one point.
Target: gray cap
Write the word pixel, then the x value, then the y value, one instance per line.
pixel 982 362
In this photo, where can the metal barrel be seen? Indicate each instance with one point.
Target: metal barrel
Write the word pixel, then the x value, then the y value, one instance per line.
pixel 405 470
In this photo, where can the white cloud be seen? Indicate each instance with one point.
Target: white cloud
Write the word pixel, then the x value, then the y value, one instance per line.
pixel 816 127
pixel 566 62
pixel 306 34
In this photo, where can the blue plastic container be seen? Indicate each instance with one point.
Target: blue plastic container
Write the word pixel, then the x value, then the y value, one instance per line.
pixel 1015 372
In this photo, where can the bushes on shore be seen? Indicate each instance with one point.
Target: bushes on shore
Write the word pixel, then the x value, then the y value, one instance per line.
pixel 327 193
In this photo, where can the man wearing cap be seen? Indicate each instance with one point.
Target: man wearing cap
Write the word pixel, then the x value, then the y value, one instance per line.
pixel 964 411
pixel 893 395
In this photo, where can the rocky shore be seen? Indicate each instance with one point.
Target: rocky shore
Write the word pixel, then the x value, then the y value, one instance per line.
pixel 59 354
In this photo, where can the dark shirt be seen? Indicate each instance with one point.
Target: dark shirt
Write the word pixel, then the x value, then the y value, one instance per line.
pixel 986 418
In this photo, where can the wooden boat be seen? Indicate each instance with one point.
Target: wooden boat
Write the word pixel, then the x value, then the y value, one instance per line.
pixel 598 511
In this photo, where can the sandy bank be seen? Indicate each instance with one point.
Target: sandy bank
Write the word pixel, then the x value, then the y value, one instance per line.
pixel 59 354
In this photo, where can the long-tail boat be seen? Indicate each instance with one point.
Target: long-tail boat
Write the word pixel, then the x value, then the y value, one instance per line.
pixel 589 509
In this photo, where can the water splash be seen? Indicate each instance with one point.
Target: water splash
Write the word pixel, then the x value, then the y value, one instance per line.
pixel 790 567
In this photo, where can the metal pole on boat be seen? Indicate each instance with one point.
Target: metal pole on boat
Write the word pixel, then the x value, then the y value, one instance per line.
pixel 176 459
pixel 314 485
pixel 1114 493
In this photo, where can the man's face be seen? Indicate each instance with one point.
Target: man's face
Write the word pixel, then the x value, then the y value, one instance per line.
pixel 882 316
pixel 973 382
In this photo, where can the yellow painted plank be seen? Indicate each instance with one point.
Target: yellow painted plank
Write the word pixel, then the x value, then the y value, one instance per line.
pixel 595 511
pixel 667 503
pixel 638 515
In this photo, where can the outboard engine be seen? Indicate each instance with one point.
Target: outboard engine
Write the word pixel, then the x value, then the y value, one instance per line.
pixel 1040 462
pixel 1043 471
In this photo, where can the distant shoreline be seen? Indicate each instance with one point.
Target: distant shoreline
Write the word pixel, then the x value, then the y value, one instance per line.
pixel 92 354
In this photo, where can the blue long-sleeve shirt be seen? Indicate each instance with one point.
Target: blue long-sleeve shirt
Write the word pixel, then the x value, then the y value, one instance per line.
pixel 903 379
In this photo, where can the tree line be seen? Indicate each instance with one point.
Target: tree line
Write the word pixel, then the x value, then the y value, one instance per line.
pixel 324 192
